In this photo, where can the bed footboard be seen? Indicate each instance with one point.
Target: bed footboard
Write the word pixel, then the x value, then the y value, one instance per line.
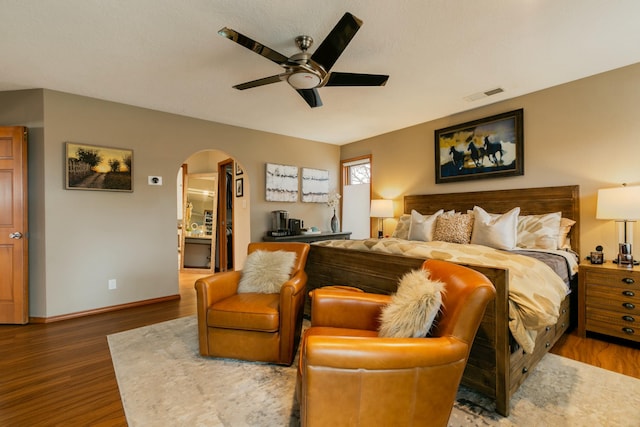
pixel 489 366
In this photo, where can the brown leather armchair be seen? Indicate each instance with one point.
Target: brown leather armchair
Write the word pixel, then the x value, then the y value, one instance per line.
pixel 252 326
pixel 348 376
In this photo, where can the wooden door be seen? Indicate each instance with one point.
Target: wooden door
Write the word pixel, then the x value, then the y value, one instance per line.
pixel 14 298
pixel 225 214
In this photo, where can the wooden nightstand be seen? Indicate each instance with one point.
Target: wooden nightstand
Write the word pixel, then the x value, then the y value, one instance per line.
pixel 609 300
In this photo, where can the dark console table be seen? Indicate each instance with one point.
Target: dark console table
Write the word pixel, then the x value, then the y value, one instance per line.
pixel 308 238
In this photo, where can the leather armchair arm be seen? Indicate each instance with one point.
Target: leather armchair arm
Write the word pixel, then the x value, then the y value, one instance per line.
pixel 382 353
pixel 343 309
pixel 217 287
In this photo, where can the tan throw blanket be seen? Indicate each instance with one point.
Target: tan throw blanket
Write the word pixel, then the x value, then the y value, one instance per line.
pixel 535 290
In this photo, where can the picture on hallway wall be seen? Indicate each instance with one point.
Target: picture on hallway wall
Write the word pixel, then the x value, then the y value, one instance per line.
pixel 93 167
pixel 487 148
pixel 281 183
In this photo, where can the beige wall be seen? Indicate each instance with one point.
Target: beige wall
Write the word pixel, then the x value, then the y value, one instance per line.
pixel 81 239
pixel 585 132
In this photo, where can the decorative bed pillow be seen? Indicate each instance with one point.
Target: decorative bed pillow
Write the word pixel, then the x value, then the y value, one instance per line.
pixel 402 229
pixel 421 226
pixel 565 229
pixel 413 307
pixel 453 228
pixel 539 231
pixel 266 271
pixel 493 230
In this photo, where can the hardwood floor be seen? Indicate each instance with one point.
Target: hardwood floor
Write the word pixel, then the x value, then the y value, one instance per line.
pixel 60 374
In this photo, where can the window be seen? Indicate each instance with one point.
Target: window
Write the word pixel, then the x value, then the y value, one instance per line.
pixel 356 196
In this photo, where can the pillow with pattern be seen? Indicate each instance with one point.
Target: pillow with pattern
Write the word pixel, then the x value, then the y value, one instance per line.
pixel 563 235
pixel 453 228
pixel 539 231
pixel 402 229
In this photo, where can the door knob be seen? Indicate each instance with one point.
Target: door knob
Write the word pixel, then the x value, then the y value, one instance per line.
pixel 16 235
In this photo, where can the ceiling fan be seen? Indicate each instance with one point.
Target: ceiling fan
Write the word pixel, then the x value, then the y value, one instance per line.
pixel 304 72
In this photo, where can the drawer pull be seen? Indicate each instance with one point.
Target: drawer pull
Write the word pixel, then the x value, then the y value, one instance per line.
pixel 628 318
pixel 525 369
pixel 547 344
pixel 628 293
pixel 628 331
pixel 628 305
pixel 548 328
pixel 564 310
pixel 628 280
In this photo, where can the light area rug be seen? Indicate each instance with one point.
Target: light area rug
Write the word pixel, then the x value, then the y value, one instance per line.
pixel 163 381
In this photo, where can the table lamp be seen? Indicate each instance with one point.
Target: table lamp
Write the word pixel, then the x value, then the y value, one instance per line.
pixel 621 204
pixel 381 209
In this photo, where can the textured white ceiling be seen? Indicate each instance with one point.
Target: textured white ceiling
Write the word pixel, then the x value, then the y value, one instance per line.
pixel 166 55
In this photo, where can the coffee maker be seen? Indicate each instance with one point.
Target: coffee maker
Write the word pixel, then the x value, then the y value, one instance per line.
pixel 279 224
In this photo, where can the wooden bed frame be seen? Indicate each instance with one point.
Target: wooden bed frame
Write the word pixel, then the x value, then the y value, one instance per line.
pixel 494 367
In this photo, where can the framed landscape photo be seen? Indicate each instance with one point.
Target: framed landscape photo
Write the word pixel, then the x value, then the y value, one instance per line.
pixel 93 167
pixel 491 147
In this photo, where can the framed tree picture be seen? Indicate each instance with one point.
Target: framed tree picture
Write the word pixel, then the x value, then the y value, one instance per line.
pixel 93 167
pixel 491 147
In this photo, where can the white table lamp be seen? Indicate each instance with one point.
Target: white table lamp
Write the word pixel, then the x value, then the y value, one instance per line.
pixel 381 209
pixel 621 204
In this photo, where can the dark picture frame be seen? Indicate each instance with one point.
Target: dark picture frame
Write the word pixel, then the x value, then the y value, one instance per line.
pixel 239 187
pixel 490 147
pixel 239 170
pixel 95 167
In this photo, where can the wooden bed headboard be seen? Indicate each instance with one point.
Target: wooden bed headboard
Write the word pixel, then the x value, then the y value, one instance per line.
pixel 532 201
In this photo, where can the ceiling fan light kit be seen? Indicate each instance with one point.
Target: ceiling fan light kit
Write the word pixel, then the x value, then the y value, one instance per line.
pixel 306 73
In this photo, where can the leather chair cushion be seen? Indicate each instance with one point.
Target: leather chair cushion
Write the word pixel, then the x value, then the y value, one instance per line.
pixel 249 311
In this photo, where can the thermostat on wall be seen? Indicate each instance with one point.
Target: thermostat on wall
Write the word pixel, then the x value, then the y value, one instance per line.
pixel 155 180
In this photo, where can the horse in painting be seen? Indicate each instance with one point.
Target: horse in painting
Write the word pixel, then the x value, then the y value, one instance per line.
pixel 457 157
pixel 491 148
pixel 477 154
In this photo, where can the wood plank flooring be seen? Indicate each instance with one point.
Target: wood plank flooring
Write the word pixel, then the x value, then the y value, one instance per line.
pixel 61 374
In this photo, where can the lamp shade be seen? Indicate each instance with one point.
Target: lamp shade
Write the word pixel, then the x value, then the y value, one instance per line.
pixel 381 208
pixel 620 203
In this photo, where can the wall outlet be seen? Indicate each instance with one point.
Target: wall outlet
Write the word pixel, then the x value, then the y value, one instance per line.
pixel 112 284
pixel 155 180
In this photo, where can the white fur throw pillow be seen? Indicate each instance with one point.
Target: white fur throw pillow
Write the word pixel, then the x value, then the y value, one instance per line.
pixel 265 271
pixel 413 307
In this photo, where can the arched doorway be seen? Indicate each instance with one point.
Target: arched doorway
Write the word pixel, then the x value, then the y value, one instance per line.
pixel 209 211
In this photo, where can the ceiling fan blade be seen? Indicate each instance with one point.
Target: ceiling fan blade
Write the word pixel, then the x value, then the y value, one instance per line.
pixel 354 79
pixel 253 45
pixel 260 82
pixel 332 46
pixel 311 96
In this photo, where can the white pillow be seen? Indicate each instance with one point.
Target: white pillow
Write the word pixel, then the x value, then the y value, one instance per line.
pixel 266 271
pixel 494 230
pixel 422 226
pixel 413 307
pixel 539 231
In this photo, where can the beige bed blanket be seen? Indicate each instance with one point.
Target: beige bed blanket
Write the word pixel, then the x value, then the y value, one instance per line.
pixel 535 290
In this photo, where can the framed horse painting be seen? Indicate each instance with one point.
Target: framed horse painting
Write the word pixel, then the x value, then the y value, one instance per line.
pixel 491 147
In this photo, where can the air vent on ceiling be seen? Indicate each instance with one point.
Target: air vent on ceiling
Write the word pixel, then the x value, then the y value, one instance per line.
pixel 484 94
